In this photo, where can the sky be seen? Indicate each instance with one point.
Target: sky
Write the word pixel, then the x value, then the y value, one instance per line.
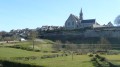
pixel 20 14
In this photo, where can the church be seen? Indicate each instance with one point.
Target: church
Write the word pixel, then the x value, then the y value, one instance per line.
pixel 74 22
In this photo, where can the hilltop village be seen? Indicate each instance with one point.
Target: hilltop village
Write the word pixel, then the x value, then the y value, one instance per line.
pixel 78 26
pixel 75 28
pixel 74 22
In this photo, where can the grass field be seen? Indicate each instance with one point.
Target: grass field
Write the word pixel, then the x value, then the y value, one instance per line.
pixel 78 61
pixel 42 45
pixel 7 53
pixel 12 52
pixel 115 59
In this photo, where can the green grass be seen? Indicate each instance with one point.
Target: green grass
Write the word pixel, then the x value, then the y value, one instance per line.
pixel 78 61
pixel 46 45
pixel 115 59
pixel 12 52
pixel 42 45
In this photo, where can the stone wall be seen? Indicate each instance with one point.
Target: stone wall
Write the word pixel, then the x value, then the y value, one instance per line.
pixel 104 33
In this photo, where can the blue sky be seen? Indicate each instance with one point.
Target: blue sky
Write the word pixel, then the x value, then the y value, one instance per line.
pixel 19 14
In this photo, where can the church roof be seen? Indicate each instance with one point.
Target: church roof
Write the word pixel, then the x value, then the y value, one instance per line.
pixel 76 18
pixel 110 24
pixel 73 17
pixel 97 23
pixel 88 21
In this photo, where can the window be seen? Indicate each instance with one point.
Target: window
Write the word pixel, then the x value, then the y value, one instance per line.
pixel 68 23
pixel 77 26
pixel 72 23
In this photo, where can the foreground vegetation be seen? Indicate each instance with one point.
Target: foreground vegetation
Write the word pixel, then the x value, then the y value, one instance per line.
pixel 44 55
pixel 63 61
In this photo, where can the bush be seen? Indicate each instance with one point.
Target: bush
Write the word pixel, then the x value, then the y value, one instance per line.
pixel 1 43
pixel 19 58
pixel 54 52
pixel 96 64
pixel 102 59
pixel 57 55
pixel 97 56
pixel 45 51
pixel 79 54
pixel 33 57
pixel 37 50
pixel 66 54
pixel 28 49
pixel 93 59
pixel 50 56
pixel 43 57
pixel 105 64
pixel 17 46
pixel 90 55
pixel 23 48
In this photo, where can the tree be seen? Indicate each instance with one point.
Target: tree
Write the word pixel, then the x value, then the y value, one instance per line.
pixel 33 35
pixel 7 39
pixel 14 37
pixel 58 45
pixel 104 44
pixel 71 47
pixel 117 20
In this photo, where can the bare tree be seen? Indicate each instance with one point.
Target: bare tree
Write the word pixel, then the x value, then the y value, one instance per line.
pixel 7 39
pixel 104 44
pixel 58 45
pixel 71 47
pixel 33 35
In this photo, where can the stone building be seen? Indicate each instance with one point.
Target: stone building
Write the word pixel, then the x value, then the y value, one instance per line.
pixel 74 22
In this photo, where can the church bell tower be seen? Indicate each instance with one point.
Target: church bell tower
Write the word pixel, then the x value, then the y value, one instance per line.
pixel 81 15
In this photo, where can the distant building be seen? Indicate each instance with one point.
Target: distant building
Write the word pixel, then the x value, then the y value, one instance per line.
pixel 45 28
pixel 73 22
pixel 110 24
pixel 22 39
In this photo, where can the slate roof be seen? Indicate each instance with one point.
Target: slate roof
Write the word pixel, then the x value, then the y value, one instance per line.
pixel 75 17
pixel 97 23
pixel 88 21
pixel 110 24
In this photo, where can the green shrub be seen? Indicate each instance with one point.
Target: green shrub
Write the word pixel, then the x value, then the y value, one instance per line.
pixel 37 50
pixel 23 48
pixel 93 59
pixel 29 49
pixel 33 57
pixel 96 64
pixel 66 54
pixel 54 51
pixel 50 56
pixel 105 64
pixel 17 46
pixel 45 51
pixel 90 55
pixel 97 56
pixel 102 59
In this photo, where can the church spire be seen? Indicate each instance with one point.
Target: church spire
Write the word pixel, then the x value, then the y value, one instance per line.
pixel 81 15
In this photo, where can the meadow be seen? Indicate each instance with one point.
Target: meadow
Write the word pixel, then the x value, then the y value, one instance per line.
pixel 65 61
pixel 25 56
